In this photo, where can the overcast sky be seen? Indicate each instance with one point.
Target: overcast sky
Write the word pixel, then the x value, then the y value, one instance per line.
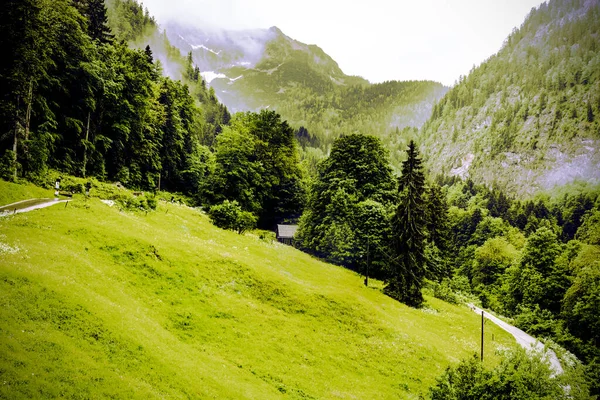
pixel 376 39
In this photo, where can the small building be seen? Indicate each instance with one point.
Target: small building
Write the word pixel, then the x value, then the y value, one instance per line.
pixel 285 233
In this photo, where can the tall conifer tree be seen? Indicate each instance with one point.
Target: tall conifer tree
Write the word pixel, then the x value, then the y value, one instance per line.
pixel 408 268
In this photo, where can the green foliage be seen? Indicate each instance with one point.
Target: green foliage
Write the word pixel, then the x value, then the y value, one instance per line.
pixel 347 211
pixel 444 291
pixel 229 215
pixel 80 102
pixel 523 264
pixel 8 168
pixel 520 375
pixel 408 268
pixel 581 305
pixel 536 98
pixel 438 225
pixel 538 279
pixel 257 165
pixel 589 231
pixel 491 260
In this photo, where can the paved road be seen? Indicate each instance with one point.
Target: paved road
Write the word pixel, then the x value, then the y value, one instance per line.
pixel 28 205
pixel 525 340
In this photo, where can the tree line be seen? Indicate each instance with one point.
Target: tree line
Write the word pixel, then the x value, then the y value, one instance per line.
pixel 533 260
pixel 78 100
pixel 361 216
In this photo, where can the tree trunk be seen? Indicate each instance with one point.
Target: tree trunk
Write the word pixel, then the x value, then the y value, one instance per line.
pixel 28 114
pixel 87 135
pixel 16 139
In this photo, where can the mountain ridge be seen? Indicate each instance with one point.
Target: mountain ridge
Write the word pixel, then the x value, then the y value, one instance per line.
pixel 527 118
pixel 254 69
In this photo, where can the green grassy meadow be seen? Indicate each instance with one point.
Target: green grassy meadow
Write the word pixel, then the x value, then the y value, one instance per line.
pixel 13 192
pixel 102 303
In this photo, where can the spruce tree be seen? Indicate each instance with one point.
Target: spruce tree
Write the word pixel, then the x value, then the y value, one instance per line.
pixel 407 269
pixel 98 21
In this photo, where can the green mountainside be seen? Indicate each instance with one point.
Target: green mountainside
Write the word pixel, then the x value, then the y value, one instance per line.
pixel 528 118
pixel 251 70
pixel 98 302
pixel 130 22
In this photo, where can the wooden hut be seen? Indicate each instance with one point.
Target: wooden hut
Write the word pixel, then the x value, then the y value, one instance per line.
pixel 285 233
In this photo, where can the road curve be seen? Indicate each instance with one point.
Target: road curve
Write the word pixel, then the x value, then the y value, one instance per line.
pixel 28 205
pixel 525 340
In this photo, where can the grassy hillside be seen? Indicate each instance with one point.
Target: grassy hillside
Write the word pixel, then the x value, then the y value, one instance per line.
pixel 98 302
pixel 528 118
pixel 12 192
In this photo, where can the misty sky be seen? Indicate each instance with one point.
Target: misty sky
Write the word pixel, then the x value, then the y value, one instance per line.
pixel 376 39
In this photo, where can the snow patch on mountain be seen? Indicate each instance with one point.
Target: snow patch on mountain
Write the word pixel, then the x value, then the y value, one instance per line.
pixel 210 76
pixel 201 46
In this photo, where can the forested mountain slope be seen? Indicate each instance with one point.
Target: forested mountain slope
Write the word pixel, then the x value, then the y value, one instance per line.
pixel 257 69
pixel 528 118
pixel 77 98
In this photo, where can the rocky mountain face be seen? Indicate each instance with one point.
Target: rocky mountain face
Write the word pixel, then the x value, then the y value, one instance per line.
pixel 257 64
pixel 528 118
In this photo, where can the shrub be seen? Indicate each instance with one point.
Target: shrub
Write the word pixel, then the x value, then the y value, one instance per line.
pixel 8 164
pixel 520 376
pixel 152 203
pixel 443 291
pixel 229 215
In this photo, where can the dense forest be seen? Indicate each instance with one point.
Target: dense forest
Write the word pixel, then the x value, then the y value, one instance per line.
pixel 90 106
pixel 78 99
pixel 536 261
pixel 529 115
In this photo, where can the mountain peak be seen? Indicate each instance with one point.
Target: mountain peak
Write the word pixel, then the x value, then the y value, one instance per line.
pixel 275 30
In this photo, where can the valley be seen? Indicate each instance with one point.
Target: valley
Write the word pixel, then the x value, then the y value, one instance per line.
pixel 183 148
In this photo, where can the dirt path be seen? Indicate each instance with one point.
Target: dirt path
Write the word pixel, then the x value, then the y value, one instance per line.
pixel 525 340
pixel 28 205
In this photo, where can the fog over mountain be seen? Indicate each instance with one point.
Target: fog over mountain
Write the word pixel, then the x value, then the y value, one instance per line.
pixel 379 40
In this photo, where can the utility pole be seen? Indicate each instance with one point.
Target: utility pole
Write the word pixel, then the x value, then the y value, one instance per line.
pixel 482 321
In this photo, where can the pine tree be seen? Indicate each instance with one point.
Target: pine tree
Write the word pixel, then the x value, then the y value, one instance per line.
pixel 97 20
pixel 408 267
pixel 438 233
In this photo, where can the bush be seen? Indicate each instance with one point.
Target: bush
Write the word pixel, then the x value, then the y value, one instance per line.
pixel 520 376
pixel 152 203
pixel 229 215
pixel 8 164
pixel 443 291
pixel 536 321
